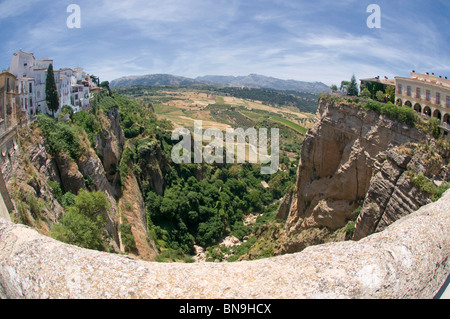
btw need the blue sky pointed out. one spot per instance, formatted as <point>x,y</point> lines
<point>325,40</point>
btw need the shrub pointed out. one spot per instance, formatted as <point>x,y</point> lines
<point>373,106</point>
<point>57,190</point>
<point>424,184</point>
<point>350,229</point>
<point>61,137</point>
<point>439,191</point>
<point>89,124</point>
<point>84,223</point>
<point>78,229</point>
<point>127,237</point>
<point>68,199</point>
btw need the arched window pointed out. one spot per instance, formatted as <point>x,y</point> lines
<point>437,114</point>
<point>418,108</point>
<point>447,118</point>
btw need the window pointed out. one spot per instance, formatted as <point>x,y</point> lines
<point>400,89</point>
<point>428,95</point>
<point>438,98</point>
<point>448,101</point>
<point>409,91</point>
<point>418,93</point>
<point>31,87</point>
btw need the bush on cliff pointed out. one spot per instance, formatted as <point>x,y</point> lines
<point>60,136</point>
<point>84,223</point>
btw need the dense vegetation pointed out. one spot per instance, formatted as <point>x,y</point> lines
<point>199,203</point>
<point>305,102</point>
<point>84,222</point>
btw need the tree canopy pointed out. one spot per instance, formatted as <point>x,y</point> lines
<point>353,87</point>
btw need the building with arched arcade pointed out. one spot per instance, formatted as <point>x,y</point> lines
<point>428,95</point>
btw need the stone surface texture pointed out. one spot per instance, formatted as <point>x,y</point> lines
<point>409,259</point>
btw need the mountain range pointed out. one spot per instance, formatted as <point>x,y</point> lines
<point>252,80</point>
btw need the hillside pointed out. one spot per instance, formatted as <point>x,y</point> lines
<point>221,108</point>
<point>261,81</point>
<point>153,80</point>
<point>253,80</point>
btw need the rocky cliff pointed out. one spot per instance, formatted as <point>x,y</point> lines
<point>357,158</point>
<point>36,173</point>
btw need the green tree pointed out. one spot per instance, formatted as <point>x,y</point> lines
<point>51,91</point>
<point>66,109</point>
<point>345,83</point>
<point>390,93</point>
<point>381,96</point>
<point>84,223</point>
<point>334,87</point>
<point>365,93</point>
<point>78,229</point>
<point>353,87</point>
<point>105,85</point>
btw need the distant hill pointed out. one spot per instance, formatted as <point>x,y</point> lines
<point>261,81</point>
<point>252,80</point>
<point>153,80</point>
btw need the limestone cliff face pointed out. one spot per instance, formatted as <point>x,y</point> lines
<point>392,194</point>
<point>133,212</point>
<point>93,171</point>
<point>110,143</point>
<point>31,171</point>
<point>338,163</point>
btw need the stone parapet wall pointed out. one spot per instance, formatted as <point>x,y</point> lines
<point>410,259</point>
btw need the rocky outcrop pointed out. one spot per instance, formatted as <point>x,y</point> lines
<point>110,143</point>
<point>71,178</point>
<point>133,211</point>
<point>337,163</point>
<point>392,193</point>
<point>91,167</point>
<point>152,164</point>
<point>32,169</point>
<point>410,259</point>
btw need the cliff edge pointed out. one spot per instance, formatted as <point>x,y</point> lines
<point>358,161</point>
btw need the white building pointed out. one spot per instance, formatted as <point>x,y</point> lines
<point>73,85</point>
<point>27,96</point>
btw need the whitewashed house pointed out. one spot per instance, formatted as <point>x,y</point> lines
<point>73,85</point>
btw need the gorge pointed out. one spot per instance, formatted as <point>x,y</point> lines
<point>353,160</point>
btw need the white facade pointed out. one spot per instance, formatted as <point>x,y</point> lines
<point>22,64</point>
<point>73,85</point>
<point>40,75</point>
<point>27,96</point>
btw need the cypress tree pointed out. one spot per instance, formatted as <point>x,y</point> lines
<point>353,87</point>
<point>51,91</point>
